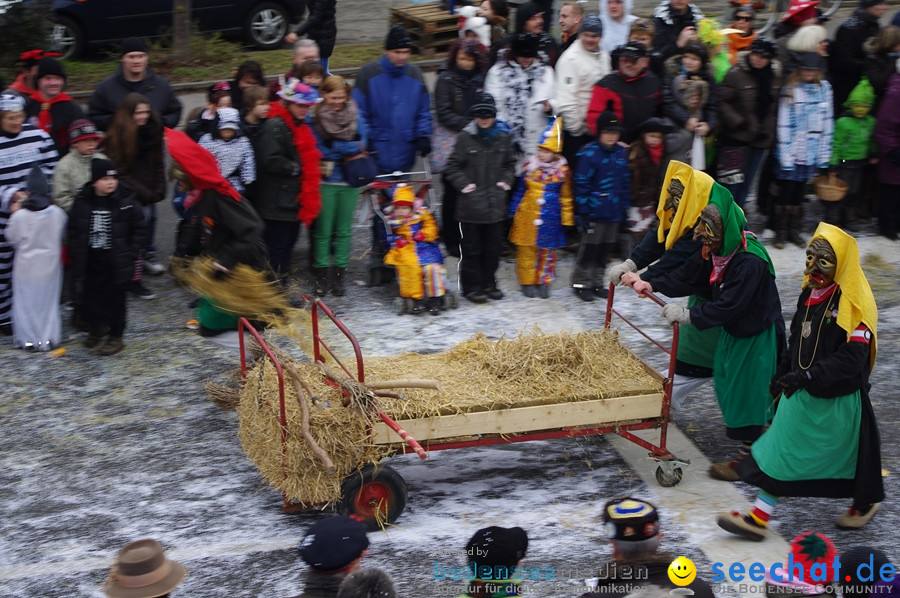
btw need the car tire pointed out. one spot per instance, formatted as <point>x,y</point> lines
<point>66,37</point>
<point>267,24</point>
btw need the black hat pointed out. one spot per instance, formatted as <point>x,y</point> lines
<point>525,45</point>
<point>608,120</point>
<point>592,24</point>
<point>133,44</point>
<point>333,543</point>
<point>654,124</point>
<point>496,547</point>
<point>524,13</point>
<point>632,50</point>
<point>809,60</point>
<point>49,66</point>
<point>397,39</point>
<point>764,46</point>
<point>697,49</point>
<point>870,3</point>
<point>484,106</point>
<point>630,519</point>
<point>82,129</point>
<point>101,168</point>
<point>38,190</point>
<point>851,559</point>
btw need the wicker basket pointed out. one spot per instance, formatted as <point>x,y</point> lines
<point>830,188</point>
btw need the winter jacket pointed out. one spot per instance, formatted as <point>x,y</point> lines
<point>805,125</point>
<point>128,230</point>
<point>542,206</point>
<point>674,85</point>
<point>287,187</point>
<point>519,94</point>
<point>668,25</point>
<point>646,177</point>
<point>455,93</point>
<point>887,134</point>
<point>602,184</point>
<point>576,73</point>
<point>634,100</point>
<point>847,54</point>
<point>853,139</point>
<point>70,174</point>
<point>396,108</point>
<point>335,150</point>
<point>739,123</point>
<point>483,163</point>
<point>235,158</point>
<point>147,177</point>
<point>111,92</point>
<point>230,231</point>
<point>321,25</point>
<point>405,250</point>
<point>62,114</point>
<point>879,68</point>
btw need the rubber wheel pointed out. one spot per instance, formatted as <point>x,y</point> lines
<point>668,480</point>
<point>399,306</point>
<point>66,37</point>
<point>377,494</point>
<point>267,24</point>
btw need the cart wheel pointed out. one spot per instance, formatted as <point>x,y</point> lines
<point>375,493</point>
<point>399,306</point>
<point>667,480</point>
<point>373,277</point>
<point>451,300</point>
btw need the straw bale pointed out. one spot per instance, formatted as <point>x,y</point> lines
<point>476,375</point>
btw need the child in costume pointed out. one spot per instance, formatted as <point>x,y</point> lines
<point>602,198</point>
<point>233,151</point>
<point>415,252</point>
<point>853,147</point>
<point>824,438</point>
<point>540,208</point>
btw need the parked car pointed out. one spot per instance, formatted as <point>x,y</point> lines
<point>78,24</point>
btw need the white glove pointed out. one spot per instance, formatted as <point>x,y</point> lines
<point>468,188</point>
<point>616,272</point>
<point>676,313</point>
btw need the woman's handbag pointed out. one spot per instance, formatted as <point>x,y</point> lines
<point>443,140</point>
<point>359,169</point>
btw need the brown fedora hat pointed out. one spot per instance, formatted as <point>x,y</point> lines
<point>143,571</point>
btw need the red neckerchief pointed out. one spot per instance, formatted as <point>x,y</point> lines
<point>817,296</point>
<point>720,264</point>
<point>45,121</point>
<point>655,151</point>
<point>22,87</point>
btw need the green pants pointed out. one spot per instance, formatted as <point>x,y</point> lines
<point>334,222</point>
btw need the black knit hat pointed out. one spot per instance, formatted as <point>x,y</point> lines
<point>851,560</point>
<point>764,46</point>
<point>608,120</point>
<point>630,519</point>
<point>397,39</point>
<point>133,44</point>
<point>101,168</point>
<point>333,543</point>
<point>496,547</point>
<point>592,24</point>
<point>524,13</point>
<point>49,66</point>
<point>484,107</point>
<point>38,190</point>
<point>525,45</point>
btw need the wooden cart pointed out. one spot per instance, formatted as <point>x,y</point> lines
<point>377,493</point>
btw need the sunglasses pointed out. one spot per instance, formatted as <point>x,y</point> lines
<point>743,18</point>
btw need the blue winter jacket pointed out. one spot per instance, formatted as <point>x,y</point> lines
<point>602,183</point>
<point>396,107</point>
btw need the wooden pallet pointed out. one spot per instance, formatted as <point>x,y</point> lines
<point>431,29</point>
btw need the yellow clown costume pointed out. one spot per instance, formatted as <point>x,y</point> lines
<point>541,205</point>
<point>415,252</point>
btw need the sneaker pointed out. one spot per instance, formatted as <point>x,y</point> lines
<point>584,294</point>
<point>853,519</point>
<point>153,267</point>
<point>140,291</point>
<point>111,346</point>
<point>529,290</point>
<point>494,293</point>
<point>476,297</point>
<point>741,525</point>
<point>724,471</point>
<point>544,291</point>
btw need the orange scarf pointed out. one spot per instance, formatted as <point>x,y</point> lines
<point>738,42</point>
<point>45,120</point>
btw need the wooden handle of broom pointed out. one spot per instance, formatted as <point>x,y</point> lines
<point>304,424</point>
<point>385,384</point>
<point>413,444</point>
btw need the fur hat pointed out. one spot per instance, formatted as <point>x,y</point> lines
<point>333,543</point>
<point>143,571</point>
<point>229,118</point>
<point>82,129</point>
<point>496,546</point>
<point>484,106</point>
<point>609,120</point>
<point>397,39</point>
<point>38,190</point>
<point>101,168</point>
<point>12,102</point>
<point>132,44</point>
<point>630,519</point>
<point>525,45</point>
<point>592,24</point>
<point>49,66</point>
<point>403,196</point>
<point>297,92</point>
<point>480,27</point>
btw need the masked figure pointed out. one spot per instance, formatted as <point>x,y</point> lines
<point>824,438</point>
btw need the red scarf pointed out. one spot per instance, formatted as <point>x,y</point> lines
<point>655,152</point>
<point>22,87</point>
<point>309,197</point>
<point>45,121</point>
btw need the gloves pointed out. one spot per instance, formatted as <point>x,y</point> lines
<point>423,146</point>
<point>676,313</point>
<point>616,272</point>
<point>790,383</point>
<point>503,185</point>
<point>468,188</point>
<point>418,236</point>
<point>400,243</point>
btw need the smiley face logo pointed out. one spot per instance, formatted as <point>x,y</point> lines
<point>682,571</point>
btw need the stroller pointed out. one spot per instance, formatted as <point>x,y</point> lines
<point>378,194</point>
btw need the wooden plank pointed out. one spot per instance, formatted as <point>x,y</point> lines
<point>525,419</point>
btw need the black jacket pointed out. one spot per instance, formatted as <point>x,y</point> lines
<point>129,231</point>
<point>738,119</point>
<point>473,161</point>
<point>278,173</point>
<point>321,25</point>
<point>228,230</point>
<point>110,93</point>
<point>847,55</point>
<point>668,25</point>
<point>454,94</point>
<point>62,114</point>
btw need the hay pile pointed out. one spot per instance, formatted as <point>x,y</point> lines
<point>476,375</point>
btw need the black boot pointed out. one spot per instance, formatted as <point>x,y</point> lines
<point>322,284</point>
<point>781,226</point>
<point>795,225</point>
<point>337,287</point>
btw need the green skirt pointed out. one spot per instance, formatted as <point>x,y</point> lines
<point>214,318</point>
<point>697,347</point>
<point>742,371</point>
